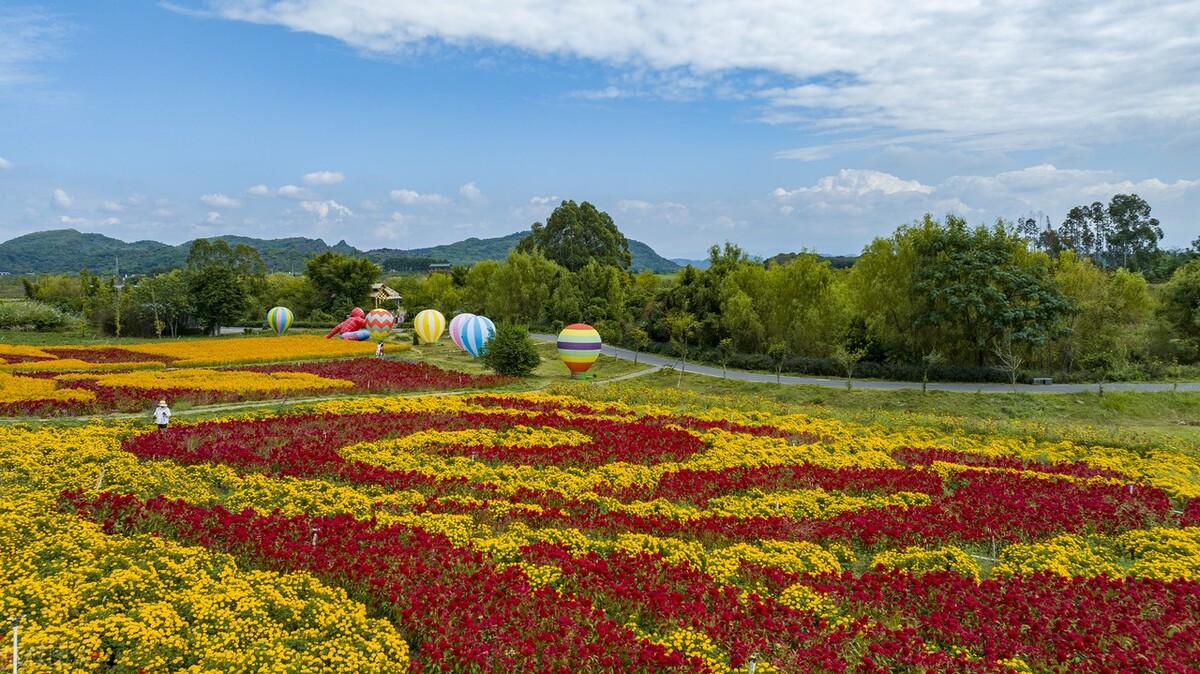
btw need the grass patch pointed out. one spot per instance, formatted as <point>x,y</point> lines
<point>446,355</point>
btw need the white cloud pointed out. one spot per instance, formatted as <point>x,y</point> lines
<point>220,200</point>
<point>323,209</point>
<point>111,207</point>
<point>394,230</point>
<point>5,164</point>
<point>162,213</point>
<point>259,191</point>
<point>472,193</point>
<point>28,38</point>
<point>665,211</point>
<point>411,198</point>
<point>841,213</point>
<point>856,182</point>
<point>68,220</point>
<point>974,74</point>
<point>538,208</point>
<point>291,191</point>
<point>606,93</point>
<point>212,217</point>
<point>323,178</point>
<point>62,199</point>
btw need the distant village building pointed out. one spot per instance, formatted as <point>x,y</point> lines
<point>439,266</point>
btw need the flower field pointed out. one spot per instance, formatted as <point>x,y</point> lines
<point>546,533</point>
<point>54,381</point>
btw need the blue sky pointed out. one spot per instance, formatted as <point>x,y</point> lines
<point>776,125</point>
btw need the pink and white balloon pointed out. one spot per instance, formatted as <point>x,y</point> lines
<point>455,329</point>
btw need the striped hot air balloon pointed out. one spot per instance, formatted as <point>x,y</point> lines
<point>429,325</point>
<point>475,333</point>
<point>455,329</point>
<point>280,319</point>
<point>379,323</point>
<point>579,347</point>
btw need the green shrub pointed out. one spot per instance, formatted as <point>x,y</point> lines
<point>36,316</point>
<point>510,352</point>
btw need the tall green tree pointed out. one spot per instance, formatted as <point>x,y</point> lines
<point>983,284</point>
<point>521,288</point>
<point>1179,308</point>
<point>880,294</point>
<point>100,301</point>
<point>575,234</point>
<point>603,289</point>
<point>217,296</point>
<point>343,282</point>
<point>160,304</point>
<point>1107,309</point>
<point>219,279</point>
<point>1121,234</point>
<point>1134,235</point>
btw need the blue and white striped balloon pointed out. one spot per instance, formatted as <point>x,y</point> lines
<point>476,331</point>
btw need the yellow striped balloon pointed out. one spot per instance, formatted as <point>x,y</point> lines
<point>429,325</point>
<point>579,347</point>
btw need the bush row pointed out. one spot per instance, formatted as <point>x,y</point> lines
<point>37,316</point>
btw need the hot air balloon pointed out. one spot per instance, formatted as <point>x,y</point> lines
<point>357,335</point>
<point>455,329</point>
<point>280,319</point>
<point>380,323</point>
<point>579,347</point>
<point>429,325</point>
<point>476,331</point>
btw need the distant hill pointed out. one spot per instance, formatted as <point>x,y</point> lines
<point>835,261</point>
<point>66,251</point>
<point>698,264</point>
<point>473,250</point>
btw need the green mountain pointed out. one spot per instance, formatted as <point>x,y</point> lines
<point>66,251</point>
<point>835,261</point>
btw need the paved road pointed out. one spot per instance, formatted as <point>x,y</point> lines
<point>741,375</point>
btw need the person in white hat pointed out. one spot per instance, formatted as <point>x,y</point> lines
<point>162,415</point>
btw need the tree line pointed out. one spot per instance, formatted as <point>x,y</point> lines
<point>1094,296</point>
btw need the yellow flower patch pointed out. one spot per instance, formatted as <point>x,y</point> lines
<point>215,380</point>
<point>244,350</point>
<point>153,605</point>
<point>1067,555</point>
<point>920,560</point>
<point>14,389</point>
<point>76,365</point>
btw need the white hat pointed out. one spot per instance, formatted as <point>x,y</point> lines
<point>162,403</point>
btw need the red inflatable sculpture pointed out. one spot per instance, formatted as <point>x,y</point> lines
<point>355,321</point>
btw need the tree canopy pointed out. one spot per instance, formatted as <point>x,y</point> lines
<point>219,280</point>
<point>576,234</point>
<point>343,282</point>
